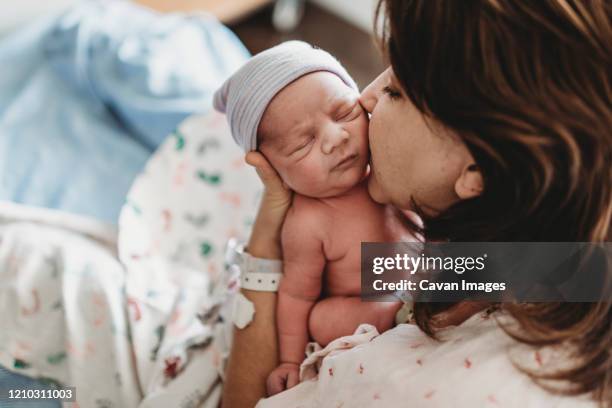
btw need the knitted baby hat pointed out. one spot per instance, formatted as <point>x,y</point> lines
<point>245,96</point>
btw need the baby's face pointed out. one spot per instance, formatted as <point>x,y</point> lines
<point>315,134</point>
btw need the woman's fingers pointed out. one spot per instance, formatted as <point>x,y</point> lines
<point>400,225</point>
<point>277,197</point>
<point>413,217</point>
<point>416,220</point>
<point>275,202</point>
<point>266,172</point>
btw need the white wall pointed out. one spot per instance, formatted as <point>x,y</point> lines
<point>357,12</point>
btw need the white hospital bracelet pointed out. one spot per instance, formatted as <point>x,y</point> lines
<point>255,273</point>
<point>260,281</point>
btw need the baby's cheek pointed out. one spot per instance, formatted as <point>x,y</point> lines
<point>359,131</point>
<point>363,126</point>
<point>306,177</point>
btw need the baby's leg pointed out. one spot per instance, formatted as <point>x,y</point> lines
<point>339,316</point>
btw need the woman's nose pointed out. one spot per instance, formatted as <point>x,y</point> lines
<point>369,96</point>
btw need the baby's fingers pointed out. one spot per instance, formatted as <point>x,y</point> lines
<point>293,379</point>
<point>275,384</point>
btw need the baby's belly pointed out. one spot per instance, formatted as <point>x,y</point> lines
<point>343,273</point>
<point>342,278</point>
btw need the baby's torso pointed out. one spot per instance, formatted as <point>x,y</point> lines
<point>348,221</point>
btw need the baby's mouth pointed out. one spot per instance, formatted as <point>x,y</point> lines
<point>346,162</point>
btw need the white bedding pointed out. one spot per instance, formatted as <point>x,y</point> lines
<point>62,304</point>
<point>14,14</point>
<point>127,334</point>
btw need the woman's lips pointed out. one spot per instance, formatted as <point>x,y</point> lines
<point>346,162</point>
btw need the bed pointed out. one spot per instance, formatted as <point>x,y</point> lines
<point>88,92</point>
<point>14,15</point>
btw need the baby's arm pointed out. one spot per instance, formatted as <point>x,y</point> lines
<point>304,261</point>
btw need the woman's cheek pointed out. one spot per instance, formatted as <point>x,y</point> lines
<point>376,173</point>
<point>375,190</point>
<point>378,161</point>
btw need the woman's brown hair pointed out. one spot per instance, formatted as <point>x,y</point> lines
<point>527,85</point>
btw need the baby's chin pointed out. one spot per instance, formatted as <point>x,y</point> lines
<point>339,184</point>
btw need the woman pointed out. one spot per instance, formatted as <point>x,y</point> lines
<point>493,123</point>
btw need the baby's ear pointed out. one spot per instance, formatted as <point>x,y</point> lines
<point>470,183</point>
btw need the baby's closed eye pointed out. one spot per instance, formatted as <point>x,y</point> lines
<point>304,143</point>
<point>349,112</point>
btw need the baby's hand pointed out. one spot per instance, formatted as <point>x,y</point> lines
<point>283,377</point>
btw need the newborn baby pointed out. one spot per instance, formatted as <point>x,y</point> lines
<point>299,107</point>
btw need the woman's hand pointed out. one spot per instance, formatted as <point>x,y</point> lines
<point>254,352</point>
<point>277,196</point>
<point>397,222</point>
<point>276,200</point>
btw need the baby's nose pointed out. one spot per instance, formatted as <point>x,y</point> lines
<point>334,139</point>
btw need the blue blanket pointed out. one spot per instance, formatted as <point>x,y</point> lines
<point>86,96</point>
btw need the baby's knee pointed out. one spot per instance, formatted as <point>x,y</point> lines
<point>383,315</point>
<point>319,325</point>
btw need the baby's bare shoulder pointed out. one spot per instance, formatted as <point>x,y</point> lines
<point>307,214</point>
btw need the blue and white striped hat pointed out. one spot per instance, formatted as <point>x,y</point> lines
<point>245,96</point>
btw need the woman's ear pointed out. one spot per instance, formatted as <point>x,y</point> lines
<point>469,184</point>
